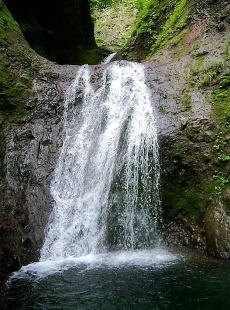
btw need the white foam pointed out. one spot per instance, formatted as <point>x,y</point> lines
<point>157,258</point>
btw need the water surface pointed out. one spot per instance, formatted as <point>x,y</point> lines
<point>153,279</point>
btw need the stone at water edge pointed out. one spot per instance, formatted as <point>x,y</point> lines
<point>217,228</point>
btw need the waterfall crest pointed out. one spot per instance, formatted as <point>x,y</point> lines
<point>106,182</point>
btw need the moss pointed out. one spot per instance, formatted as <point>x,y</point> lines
<point>214,80</point>
<point>176,22</point>
<point>152,15</point>
<point>183,196</point>
<point>90,56</point>
<point>221,109</point>
<point>220,27</point>
<point>183,50</point>
<point>196,69</point>
<point>179,38</point>
<point>161,23</point>
<point>221,102</point>
<point>221,176</point>
<point>211,73</point>
<point>186,101</point>
<point>13,93</point>
<point>185,189</point>
<point>13,89</point>
<point>216,77</point>
<point>7,23</point>
<point>113,22</point>
<point>226,51</point>
<point>46,142</point>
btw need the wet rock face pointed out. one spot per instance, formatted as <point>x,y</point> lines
<point>185,138</point>
<point>189,127</point>
<point>217,225</point>
<point>29,151</point>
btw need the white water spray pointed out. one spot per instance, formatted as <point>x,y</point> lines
<point>109,58</point>
<point>106,182</point>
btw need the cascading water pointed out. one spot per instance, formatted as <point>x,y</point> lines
<point>109,58</point>
<point>106,182</point>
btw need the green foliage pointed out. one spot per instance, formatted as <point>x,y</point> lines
<point>224,81</point>
<point>197,68</point>
<point>221,102</point>
<point>176,22</point>
<point>147,17</point>
<point>180,37</point>
<point>159,23</point>
<point>101,4</point>
<point>220,27</point>
<point>140,4</point>
<point>212,72</point>
<point>221,97</point>
<point>112,24</point>
<point>221,180</point>
<point>227,119</point>
<point>222,139</point>
<point>226,51</point>
<point>215,75</point>
<point>223,157</point>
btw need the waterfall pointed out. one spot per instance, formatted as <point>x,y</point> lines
<point>106,182</point>
<point>109,58</point>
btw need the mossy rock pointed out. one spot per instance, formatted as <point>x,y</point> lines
<point>14,91</point>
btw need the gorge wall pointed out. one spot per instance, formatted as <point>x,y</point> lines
<point>61,31</point>
<point>187,47</point>
<point>32,93</point>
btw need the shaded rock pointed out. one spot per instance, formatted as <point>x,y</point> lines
<point>61,31</point>
<point>217,230</point>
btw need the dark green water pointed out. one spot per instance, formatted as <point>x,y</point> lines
<point>189,283</point>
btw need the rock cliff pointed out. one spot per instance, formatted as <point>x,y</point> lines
<point>32,95</point>
<point>188,72</point>
<point>187,48</point>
